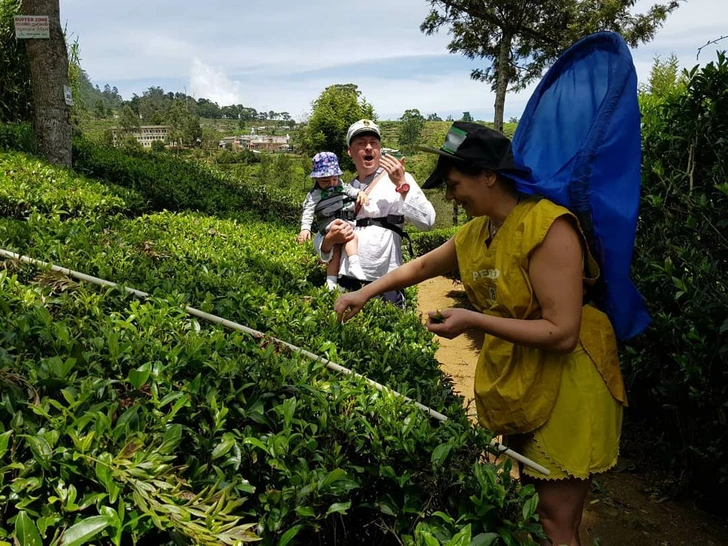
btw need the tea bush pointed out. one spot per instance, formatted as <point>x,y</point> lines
<point>125,421</point>
<point>17,136</point>
<point>676,371</point>
<point>169,183</point>
<point>30,185</point>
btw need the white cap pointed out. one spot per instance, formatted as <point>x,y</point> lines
<point>362,126</point>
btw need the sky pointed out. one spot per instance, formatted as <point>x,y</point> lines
<point>281,54</point>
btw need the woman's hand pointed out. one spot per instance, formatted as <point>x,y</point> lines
<point>349,304</point>
<point>449,323</point>
<point>362,198</point>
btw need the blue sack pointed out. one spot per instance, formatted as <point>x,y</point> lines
<point>580,134</point>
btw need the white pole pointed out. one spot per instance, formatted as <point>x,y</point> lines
<point>258,335</point>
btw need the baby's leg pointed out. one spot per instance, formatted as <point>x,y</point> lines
<point>352,247</point>
<point>352,251</point>
<point>332,268</point>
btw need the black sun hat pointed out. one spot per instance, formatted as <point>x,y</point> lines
<point>477,145</point>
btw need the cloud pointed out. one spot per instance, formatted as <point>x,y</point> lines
<point>213,84</point>
<point>281,55</point>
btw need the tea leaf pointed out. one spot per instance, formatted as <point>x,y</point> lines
<point>83,531</point>
<point>26,532</point>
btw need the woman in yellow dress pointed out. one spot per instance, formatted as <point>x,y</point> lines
<point>548,375</point>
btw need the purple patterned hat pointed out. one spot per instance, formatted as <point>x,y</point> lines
<point>325,164</point>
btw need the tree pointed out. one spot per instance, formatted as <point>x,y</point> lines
<point>184,126</point>
<point>337,107</point>
<point>153,105</point>
<point>433,117</point>
<point>48,59</point>
<point>665,77</point>
<point>466,117</point>
<point>411,128</point>
<point>129,120</point>
<point>208,109</point>
<point>99,109</point>
<point>158,146</point>
<point>521,37</point>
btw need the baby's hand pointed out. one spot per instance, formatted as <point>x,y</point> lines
<point>362,198</point>
<point>304,236</point>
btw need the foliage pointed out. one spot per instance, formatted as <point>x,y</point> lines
<point>676,370</point>
<point>227,157</point>
<point>74,77</point>
<point>184,125</point>
<point>172,184</point>
<point>425,241</point>
<point>332,113</point>
<point>128,119</point>
<point>665,78</point>
<point>411,128</point>
<point>16,94</point>
<point>17,136</point>
<point>129,422</point>
<point>29,186</point>
<point>520,38</point>
<point>154,104</point>
<point>158,146</point>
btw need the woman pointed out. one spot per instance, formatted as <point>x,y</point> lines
<point>548,376</point>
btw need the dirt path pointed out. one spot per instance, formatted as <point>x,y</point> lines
<point>620,511</point>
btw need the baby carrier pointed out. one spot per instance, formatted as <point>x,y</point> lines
<point>580,134</point>
<point>334,204</point>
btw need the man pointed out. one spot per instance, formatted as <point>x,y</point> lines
<point>394,197</point>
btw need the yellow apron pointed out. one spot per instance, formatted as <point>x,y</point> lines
<point>517,387</point>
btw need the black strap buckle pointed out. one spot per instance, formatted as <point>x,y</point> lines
<point>389,222</point>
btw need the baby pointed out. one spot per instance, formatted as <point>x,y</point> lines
<point>330,199</point>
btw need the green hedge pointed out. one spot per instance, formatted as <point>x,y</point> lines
<point>28,185</point>
<point>677,371</point>
<point>169,183</point>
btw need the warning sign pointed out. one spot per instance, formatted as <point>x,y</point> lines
<point>31,26</point>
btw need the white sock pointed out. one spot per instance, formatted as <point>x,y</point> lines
<point>355,268</point>
<point>331,282</point>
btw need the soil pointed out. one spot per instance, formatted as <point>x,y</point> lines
<point>623,507</point>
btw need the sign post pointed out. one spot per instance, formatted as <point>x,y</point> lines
<point>31,27</point>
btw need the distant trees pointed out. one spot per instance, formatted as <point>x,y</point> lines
<point>466,117</point>
<point>337,107</point>
<point>411,129</point>
<point>184,125</point>
<point>433,117</point>
<point>128,119</point>
<point>519,38</point>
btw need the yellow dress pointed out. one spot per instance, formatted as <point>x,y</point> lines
<point>561,410</point>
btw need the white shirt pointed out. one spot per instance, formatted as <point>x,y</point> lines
<point>380,249</point>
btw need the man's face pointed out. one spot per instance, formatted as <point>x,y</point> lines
<point>365,151</point>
